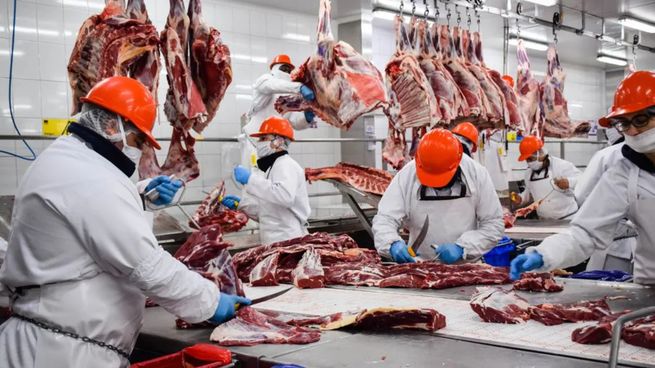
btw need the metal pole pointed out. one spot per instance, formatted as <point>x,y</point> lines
<point>616,332</point>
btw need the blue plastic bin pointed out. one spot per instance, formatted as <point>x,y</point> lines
<point>499,255</point>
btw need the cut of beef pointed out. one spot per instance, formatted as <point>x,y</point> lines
<point>640,332</point>
<point>309,274</point>
<point>265,273</point>
<point>500,306</point>
<point>390,319</point>
<point>429,275</point>
<point>555,314</point>
<point>346,84</point>
<point>543,282</point>
<point>599,333</point>
<point>395,149</point>
<point>366,179</point>
<point>212,212</point>
<point>354,274</point>
<point>251,327</point>
<point>528,91</point>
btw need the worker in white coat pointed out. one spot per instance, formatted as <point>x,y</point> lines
<point>467,134</point>
<point>456,196</point>
<point>82,257</point>
<point>618,256</point>
<point>627,190</point>
<point>276,195</point>
<point>548,179</point>
<point>265,91</point>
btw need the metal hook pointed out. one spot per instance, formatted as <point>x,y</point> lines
<point>459,15</point>
<point>436,11</point>
<point>557,18</point>
<point>635,41</point>
<point>448,14</point>
<point>477,17</point>
<point>402,6</point>
<point>413,7</point>
<point>427,11</point>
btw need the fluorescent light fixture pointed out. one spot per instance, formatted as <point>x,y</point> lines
<point>384,14</point>
<point>296,37</point>
<point>259,59</point>
<point>240,96</point>
<point>575,105</point>
<point>68,33</point>
<point>543,2</point>
<point>8,52</point>
<point>619,54</point>
<point>243,87</point>
<point>254,59</point>
<point>83,4</point>
<point>41,32</point>
<point>18,107</point>
<point>637,24</point>
<point>530,44</point>
<point>611,60</point>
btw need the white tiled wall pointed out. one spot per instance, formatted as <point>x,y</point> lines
<point>45,34</point>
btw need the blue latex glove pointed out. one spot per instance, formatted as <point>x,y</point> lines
<point>525,262</point>
<point>226,310</point>
<point>241,174</point>
<point>307,93</point>
<point>309,116</point>
<point>449,253</point>
<point>231,201</point>
<point>399,252</point>
<point>165,187</point>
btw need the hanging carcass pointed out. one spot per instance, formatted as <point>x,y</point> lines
<point>528,91</point>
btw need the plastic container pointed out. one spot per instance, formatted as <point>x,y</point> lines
<point>196,356</point>
<point>499,256</point>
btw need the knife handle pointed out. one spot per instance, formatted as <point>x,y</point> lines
<point>236,306</point>
<point>411,251</point>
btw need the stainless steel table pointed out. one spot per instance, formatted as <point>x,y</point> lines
<point>529,229</point>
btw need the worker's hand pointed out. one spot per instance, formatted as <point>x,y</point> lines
<point>166,189</point>
<point>309,116</point>
<point>399,252</point>
<point>525,262</point>
<point>562,183</point>
<point>449,253</point>
<point>227,307</point>
<point>307,93</point>
<point>515,198</point>
<point>241,174</point>
<point>231,201</point>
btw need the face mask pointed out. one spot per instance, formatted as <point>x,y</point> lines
<point>264,149</point>
<point>535,165</point>
<point>132,153</point>
<point>642,143</point>
<point>277,73</point>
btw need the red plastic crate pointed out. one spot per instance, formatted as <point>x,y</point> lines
<point>196,356</point>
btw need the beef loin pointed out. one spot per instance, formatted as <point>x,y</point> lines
<point>541,282</point>
<point>389,319</point>
<point>555,314</point>
<point>500,306</point>
<point>366,179</point>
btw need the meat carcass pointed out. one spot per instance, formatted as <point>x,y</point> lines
<point>528,92</point>
<point>209,62</point>
<point>540,282</point>
<point>146,68</point>
<point>346,84</point>
<point>110,44</point>
<point>395,149</point>
<point>211,212</point>
<point>389,319</point>
<point>251,327</point>
<point>555,314</point>
<point>640,332</point>
<point>309,274</point>
<point>366,179</point>
<point>500,306</point>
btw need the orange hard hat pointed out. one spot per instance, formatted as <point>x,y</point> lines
<point>509,80</point>
<point>281,59</point>
<point>529,146</point>
<point>275,125</point>
<point>128,98</point>
<point>468,131</point>
<point>635,93</point>
<point>437,158</point>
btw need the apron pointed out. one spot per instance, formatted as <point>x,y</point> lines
<point>558,205</point>
<point>642,212</point>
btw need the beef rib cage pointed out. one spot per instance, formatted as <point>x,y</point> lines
<point>366,179</point>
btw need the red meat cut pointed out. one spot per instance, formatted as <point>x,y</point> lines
<point>500,306</point>
<point>265,273</point>
<point>309,274</point>
<point>541,282</point>
<point>389,319</point>
<point>640,332</point>
<point>599,333</point>
<point>212,212</point>
<point>366,179</point>
<point>555,314</point>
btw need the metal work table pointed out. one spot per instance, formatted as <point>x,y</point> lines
<point>529,229</point>
<point>354,197</point>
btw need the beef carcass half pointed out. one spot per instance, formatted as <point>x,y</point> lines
<point>366,179</point>
<point>500,306</point>
<point>540,282</point>
<point>389,319</point>
<point>309,274</point>
<point>212,212</point>
<point>555,314</point>
<point>528,91</point>
<point>345,83</point>
<point>110,44</point>
<point>251,327</point>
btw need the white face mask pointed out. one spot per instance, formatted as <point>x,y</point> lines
<point>642,143</point>
<point>132,153</point>
<point>264,149</point>
<point>277,73</point>
<point>535,165</point>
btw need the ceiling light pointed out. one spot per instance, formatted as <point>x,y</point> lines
<point>611,60</point>
<point>543,2</point>
<point>530,44</point>
<point>384,14</point>
<point>637,24</point>
<point>296,37</point>
<point>8,52</point>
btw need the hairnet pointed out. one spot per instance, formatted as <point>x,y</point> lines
<point>281,142</point>
<point>104,122</point>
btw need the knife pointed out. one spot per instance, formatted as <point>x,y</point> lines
<point>265,298</point>
<point>413,249</point>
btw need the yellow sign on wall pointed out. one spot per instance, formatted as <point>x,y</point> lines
<point>55,127</point>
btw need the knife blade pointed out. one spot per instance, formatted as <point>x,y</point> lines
<point>265,298</point>
<point>413,249</point>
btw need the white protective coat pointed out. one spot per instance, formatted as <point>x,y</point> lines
<point>493,157</point>
<point>623,248</point>
<point>79,231</point>
<point>560,203</point>
<point>625,191</point>
<point>265,91</point>
<point>278,200</point>
<point>474,222</point>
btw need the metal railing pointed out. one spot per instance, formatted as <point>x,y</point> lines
<point>14,137</point>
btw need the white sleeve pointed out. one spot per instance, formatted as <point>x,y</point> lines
<point>297,120</point>
<point>489,215</point>
<point>593,227</point>
<point>571,173</point>
<point>525,194</point>
<point>249,206</point>
<point>392,211</point>
<point>120,240</point>
<point>588,179</point>
<point>270,85</point>
<point>279,191</point>
<point>141,185</point>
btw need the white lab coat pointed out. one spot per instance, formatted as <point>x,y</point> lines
<point>622,248</point>
<point>79,231</point>
<point>265,91</point>
<point>278,200</point>
<point>492,156</point>
<point>475,222</point>
<point>625,191</point>
<point>560,203</point>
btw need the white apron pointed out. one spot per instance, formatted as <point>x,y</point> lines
<point>560,204</point>
<point>642,213</point>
